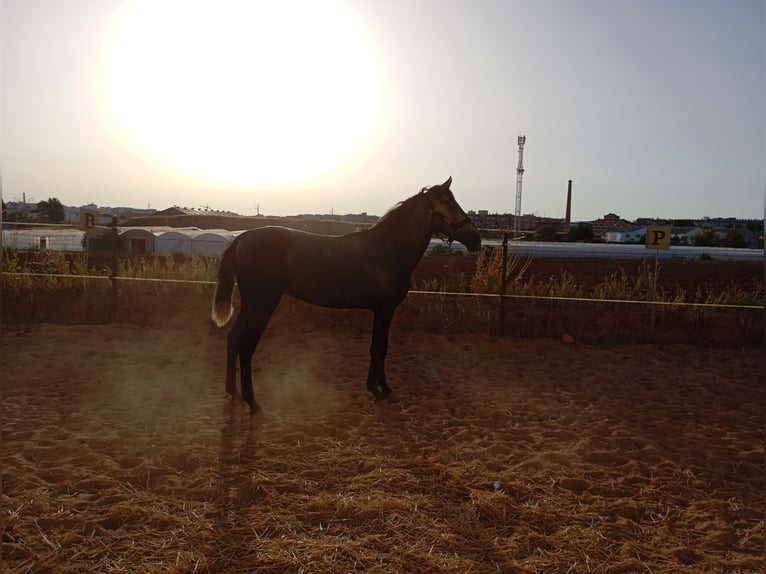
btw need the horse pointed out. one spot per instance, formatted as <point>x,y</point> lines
<point>367,269</point>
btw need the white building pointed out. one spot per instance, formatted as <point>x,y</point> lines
<point>625,235</point>
<point>193,241</point>
<point>41,238</point>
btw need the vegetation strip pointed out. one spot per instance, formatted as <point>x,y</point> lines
<point>413,292</point>
<point>62,275</point>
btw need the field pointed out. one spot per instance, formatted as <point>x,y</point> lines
<point>121,453</point>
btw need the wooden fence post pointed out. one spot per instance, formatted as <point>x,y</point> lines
<point>501,322</point>
<point>113,278</point>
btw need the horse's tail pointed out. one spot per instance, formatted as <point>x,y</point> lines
<point>223,308</point>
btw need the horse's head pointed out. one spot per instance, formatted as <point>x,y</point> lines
<point>448,218</point>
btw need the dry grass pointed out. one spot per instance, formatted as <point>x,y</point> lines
<point>183,282</point>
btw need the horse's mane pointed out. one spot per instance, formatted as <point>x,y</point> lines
<point>405,206</point>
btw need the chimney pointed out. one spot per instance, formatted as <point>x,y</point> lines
<point>568,221</point>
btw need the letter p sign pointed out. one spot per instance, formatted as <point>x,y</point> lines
<point>658,237</point>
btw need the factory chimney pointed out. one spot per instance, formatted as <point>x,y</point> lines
<point>568,222</point>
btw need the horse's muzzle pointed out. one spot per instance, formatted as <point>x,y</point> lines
<point>469,236</point>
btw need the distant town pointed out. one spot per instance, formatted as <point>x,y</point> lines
<point>610,228</point>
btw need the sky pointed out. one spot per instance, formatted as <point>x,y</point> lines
<point>654,108</point>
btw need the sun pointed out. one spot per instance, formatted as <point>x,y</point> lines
<point>244,92</point>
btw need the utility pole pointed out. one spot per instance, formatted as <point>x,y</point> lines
<point>519,176</point>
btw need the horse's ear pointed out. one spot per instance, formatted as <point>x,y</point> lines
<point>447,183</point>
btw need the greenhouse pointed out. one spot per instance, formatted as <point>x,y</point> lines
<point>193,242</point>
<point>66,239</point>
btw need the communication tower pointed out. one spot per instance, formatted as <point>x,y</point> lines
<point>519,176</point>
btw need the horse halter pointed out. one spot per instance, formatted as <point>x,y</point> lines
<point>452,227</point>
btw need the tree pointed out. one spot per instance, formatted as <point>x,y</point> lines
<point>51,208</point>
<point>581,232</point>
<point>545,233</point>
<point>733,238</point>
<point>706,238</point>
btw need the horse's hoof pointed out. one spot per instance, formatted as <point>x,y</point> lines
<point>380,395</point>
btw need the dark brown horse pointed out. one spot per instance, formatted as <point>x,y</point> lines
<point>368,269</point>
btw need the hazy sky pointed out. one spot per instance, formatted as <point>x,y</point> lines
<point>651,107</point>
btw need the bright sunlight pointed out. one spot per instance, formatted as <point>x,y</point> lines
<point>244,92</point>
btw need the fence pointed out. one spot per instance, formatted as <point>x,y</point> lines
<point>493,306</point>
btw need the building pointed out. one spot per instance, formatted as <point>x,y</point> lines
<point>175,210</point>
<point>627,235</point>
<point>610,222</point>
<point>45,238</point>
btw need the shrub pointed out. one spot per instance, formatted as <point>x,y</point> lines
<point>489,270</point>
<point>444,249</point>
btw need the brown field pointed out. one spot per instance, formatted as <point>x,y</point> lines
<point>121,453</point>
<point>686,274</point>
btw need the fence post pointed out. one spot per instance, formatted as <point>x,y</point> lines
<point>113,278</point>
<point>86,247</point>
<point>503,279</point>
<point>2,266</point>
<point>653,317</point>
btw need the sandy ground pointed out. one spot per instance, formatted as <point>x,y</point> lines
<point>120,453</point>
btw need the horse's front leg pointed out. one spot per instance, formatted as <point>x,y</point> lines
<point>376,376</point>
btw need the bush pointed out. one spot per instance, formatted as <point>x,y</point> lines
<point>444,249</point>
<point>489,270</point>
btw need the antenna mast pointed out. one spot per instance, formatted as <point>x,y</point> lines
<point>519,175</point>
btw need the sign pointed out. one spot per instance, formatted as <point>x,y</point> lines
<point>658,237</point>
<point>88,217</point>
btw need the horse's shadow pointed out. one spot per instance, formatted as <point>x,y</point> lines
<point>238,437</point>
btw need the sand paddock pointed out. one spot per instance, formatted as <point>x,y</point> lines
<point>120,453</point>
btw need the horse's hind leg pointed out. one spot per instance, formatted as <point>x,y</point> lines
<point>376,376</point>
<point>232,350</point>
<point>255,321</point>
